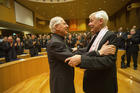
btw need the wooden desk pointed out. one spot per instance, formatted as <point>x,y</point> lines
<point>43,53</point>
<point>43,49</point>
<point>119,54</point>
<point>78,80</point>
<point>14,72</point>
<point>26,51</point>
<point>23,56</point>
<point>2,59</point>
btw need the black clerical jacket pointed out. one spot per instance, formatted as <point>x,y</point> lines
<point>61,74</point>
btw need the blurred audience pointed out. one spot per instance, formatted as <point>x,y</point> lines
<point>12,46</point>
<point>132,47</point>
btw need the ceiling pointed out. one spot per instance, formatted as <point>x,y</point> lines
<point>17,27</point>
<point>77,9</point>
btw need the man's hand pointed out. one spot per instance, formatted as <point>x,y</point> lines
<point>107,49</point>
<point>74,49</point>
<point>34,42</point>
<point>129,36</point>
<point>11,44</point>
<point>74,60</point>
<point>15,44</point>
<point>21,43</point>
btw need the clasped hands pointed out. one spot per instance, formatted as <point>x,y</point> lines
<point>105,50</point>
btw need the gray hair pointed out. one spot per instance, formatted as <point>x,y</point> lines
<point>54,21</point>
<point>99,15</point>
<point>133,29</point>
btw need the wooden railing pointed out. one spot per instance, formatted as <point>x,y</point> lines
<point>120,53</point>
<point>23,56</point>
<point>14,72</point>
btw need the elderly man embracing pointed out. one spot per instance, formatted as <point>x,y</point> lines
<point>100,75</point>
<point>61,73</point>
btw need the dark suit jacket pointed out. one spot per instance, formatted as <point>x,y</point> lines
<point>61,74</point>
<point>121,40</point>
<point>1,50</point>
<point>19,49</point>
<point>100,76</point>
<point>132,44</point>
<point>10,51</point>
<point>33,48</point>
<point>138,34</point>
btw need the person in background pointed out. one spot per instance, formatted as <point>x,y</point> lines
<point>121,38</point>
<point>132,48</point>
<point>1,47</point>
<point>39,44</point>
<point>70,41</point>
<point>20,47</point>
<point>10,49</point>
<point>100,75</point>
<point>44,41</point>
<point>137,31</point>
<point>33,46</point>
<point>48,38</point>
<point>79,43</point>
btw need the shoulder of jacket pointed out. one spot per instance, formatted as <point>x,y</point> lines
<point>110,32</point>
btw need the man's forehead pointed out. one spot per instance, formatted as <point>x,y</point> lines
<point>9,38</point>
<point>92,18</point>
<point>132,30</point>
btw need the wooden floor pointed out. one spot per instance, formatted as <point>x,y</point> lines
<point>36,80</point>
<point>37,84</point>
<point>127,85</point>
<point>131,73</point>
<point>40,83</point>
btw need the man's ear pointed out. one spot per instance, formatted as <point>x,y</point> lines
<point>101,21</point>
<point>57,27</point>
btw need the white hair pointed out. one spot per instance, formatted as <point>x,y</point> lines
<point>54,21</point>
<point>99,15</point>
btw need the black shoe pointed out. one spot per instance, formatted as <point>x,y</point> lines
<point>135,68</point>
<point>128,66</point>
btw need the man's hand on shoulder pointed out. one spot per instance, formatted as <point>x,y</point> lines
<point>107,49</point>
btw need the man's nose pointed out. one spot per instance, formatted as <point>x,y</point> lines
<point>89,24</point>
<point>67,26</point>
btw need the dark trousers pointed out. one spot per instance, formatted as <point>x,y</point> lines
<point>134,56</point>
<point>123,65</point>
<point>34,54</point>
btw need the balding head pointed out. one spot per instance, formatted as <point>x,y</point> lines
<point>10,39</point>
<point>18,39</point>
